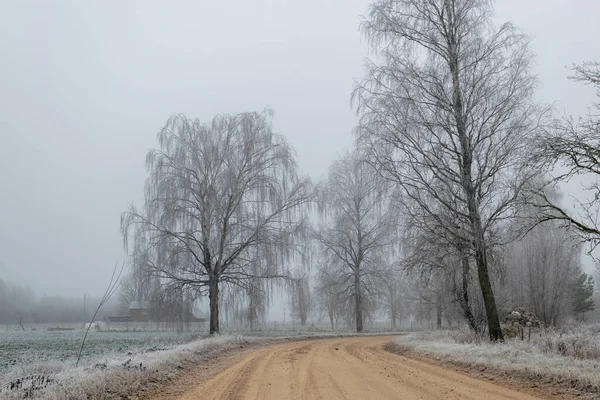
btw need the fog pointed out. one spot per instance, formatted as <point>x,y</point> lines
<point>86,86</point>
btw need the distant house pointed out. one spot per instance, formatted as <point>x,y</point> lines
<point>119,318</point>
<point>139,311</point>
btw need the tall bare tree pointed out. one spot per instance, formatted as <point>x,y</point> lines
<point>571,148</point>
<point>357,229</point>
<point>446,113</point>
<point>216,194</point>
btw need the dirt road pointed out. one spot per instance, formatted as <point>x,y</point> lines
<point>344,368</point>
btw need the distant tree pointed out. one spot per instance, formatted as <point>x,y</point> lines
<point>217,193</point>
<point>430,250</point>
<point>256,293</point>
<point>300,298</point>
<point>537,267</point>
<point>356,230</point>
<point>329,297</point>
<point>137,284</point>
<point>583,293</point>
<point>392,296</point>
<point>447,115</point>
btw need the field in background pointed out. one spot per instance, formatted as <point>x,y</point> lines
<point>38,345</point>
<point>41,346</point>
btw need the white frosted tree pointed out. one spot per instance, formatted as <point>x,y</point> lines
<point>446,113</point>
<point>219,196</point>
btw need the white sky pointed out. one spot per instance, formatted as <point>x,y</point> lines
<point>86,85</point>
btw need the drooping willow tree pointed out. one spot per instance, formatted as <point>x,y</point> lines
<point>223,204</point>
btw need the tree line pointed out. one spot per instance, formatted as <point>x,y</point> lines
<point>19,304</point>
<point>448,200</point>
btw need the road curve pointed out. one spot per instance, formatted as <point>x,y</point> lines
<point>341,368</point>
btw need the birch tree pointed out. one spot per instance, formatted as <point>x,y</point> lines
<point>446,113</point>
<point>217,194</point>
<point>357,228</point>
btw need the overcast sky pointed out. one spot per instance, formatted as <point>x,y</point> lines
<point>86,85</point>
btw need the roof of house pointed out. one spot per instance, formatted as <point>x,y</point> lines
<point>138,305</point>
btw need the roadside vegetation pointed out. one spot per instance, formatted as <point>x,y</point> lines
<point>567,360</point>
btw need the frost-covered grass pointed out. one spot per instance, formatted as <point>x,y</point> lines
<point>113,375</point>
<point>123,368</point>
<point>31,347</point>
<point>569,358</point>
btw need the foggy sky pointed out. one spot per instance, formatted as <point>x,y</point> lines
<point>86,85</point>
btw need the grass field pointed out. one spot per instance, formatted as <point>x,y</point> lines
<point>20,349</point>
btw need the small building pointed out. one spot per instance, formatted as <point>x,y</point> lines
<point>119,318</point>
<point>142,312</point>
<point>139,311</point>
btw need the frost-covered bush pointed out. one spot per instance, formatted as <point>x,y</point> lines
<point>581,342</point>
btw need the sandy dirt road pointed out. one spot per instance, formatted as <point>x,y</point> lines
<point>342,368</point>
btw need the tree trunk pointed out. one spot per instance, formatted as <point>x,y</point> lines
<point>488,295</point>
<point>463,296</point>
<point>393,307</point>
<point>471,195</point>
<point>438,311</point>
<point>213,294</point>
<point>359,304</point>
<point>331,320</point>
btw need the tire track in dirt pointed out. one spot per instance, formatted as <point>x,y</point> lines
<point>342,368</point>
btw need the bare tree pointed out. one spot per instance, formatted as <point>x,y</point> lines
<point>429,252</point>
<point>357,229</point>
<point>447,114</point>
<point>258,300</point>
<point>572,149</point>
<point>540,267</point>
<point>329,300</point>
<point>217,194</point>
<point>138,283</point>
<point>299,297</point>
<point>247,307</point>
<point>392,296</point>
<point>541,263</point>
